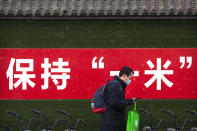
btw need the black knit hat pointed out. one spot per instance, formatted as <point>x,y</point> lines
<point>125,70</point>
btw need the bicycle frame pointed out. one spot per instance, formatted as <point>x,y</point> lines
<point>46,127</point>
<point>22,128</point>
<point>71,128</point>
<point>151,127</point>
<point>177,128</point>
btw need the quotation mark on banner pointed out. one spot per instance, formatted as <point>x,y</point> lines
<point>99,65</point>
<point>188,60</point>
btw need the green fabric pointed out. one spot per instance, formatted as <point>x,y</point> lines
<point>98,33</point>
<point>133,120</point>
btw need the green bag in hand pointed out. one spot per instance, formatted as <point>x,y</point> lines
<point>133,120</point>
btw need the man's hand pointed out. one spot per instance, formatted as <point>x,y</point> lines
<point>131,101</point>
<point>134,100</point>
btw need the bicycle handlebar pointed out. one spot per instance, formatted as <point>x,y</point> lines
<point>169,112</point>
<point>14,114</point>
<point>193,112</point>
<point>65,113</point>
<point>144,110</point>
<point>39,113</point>
<point>43,116</point>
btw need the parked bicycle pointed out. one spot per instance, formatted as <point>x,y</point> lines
<point>193,113</point>
<point>47,127</point>
<point>176,127</point>
<point>150,126</point>
<point>69,117</point>
<point>22,128</point>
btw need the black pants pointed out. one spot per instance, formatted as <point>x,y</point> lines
<point>112,128</point>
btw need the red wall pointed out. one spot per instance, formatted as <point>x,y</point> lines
<point>84,80</point>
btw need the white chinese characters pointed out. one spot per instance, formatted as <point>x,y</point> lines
<point>56,73</point>
<point>24,68</point>
<point>158,74</point>
<point>24,77</point>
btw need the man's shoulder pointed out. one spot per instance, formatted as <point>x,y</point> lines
<point>114,84</point>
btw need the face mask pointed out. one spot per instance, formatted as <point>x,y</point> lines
<point>128,82</point>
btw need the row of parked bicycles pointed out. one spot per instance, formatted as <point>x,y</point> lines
<point>177,126</point>
<point>66,121</point>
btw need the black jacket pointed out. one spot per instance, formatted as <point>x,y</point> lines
<point>114,96</point>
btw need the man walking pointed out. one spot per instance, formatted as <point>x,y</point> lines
<point>113,119</point>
